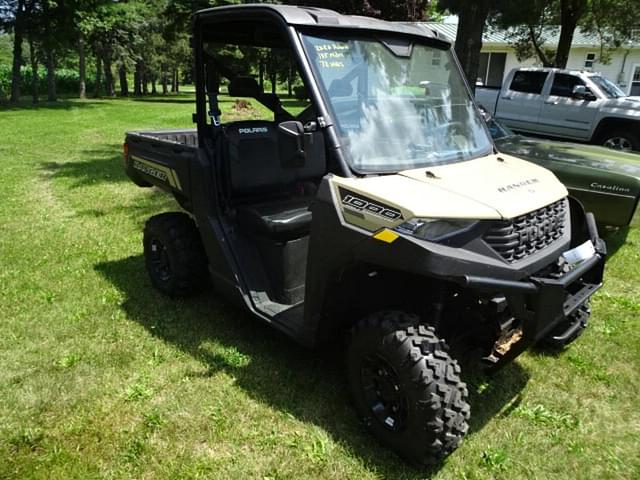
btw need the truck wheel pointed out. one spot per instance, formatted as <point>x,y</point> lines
<point>620,140</point>
<point>406,387</point>
<point>174,255</point>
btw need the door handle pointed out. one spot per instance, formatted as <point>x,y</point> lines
<point>506,97</point>
<point>551,102</point>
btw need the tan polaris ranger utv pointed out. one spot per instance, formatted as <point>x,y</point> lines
<point>381,212</point>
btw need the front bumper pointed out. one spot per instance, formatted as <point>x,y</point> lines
<point>544,304</point>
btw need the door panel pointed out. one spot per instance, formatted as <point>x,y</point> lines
<point>519,106</point>
<point>564,116</point>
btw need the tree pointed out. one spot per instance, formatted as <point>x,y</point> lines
<point>472,18</point>
<point>84,20</point>
<point>531,24</point>
<point>12,18</point>
<point>116,32</point>
<point>528,28</point>
<point>393,10</point>
<point>604,18</point>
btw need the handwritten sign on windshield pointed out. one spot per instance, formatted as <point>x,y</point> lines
<point>332,55</point>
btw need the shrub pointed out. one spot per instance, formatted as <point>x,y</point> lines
<point>67,81</point>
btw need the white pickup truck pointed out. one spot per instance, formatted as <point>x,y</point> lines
<point>565,104</point>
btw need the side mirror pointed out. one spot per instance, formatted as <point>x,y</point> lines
<point>581,92</point>
<point>486,116</point>
<point>291,144</point>
<point>340,88</point>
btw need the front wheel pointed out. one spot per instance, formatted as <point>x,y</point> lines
<point>406,387</point>
<point>620,139</point>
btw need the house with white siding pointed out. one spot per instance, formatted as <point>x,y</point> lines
<point>497,57</point>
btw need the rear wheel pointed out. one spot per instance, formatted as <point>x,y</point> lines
<point>406,387</point>
<point>174,255</point>
<point>620,139</point>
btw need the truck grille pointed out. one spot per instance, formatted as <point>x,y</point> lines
<point>519,237</point>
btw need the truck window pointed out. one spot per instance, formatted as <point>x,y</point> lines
<point>528,81</point>
<point>563,84</point>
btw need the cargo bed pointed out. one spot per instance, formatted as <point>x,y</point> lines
<point>163,159</point>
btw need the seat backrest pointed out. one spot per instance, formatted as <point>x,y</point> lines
<point>253,158</point>
<point>254,163</point>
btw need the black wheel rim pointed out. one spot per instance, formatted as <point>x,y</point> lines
<point>383,392</point>
<point>619,143</point>
<point>159,258</point>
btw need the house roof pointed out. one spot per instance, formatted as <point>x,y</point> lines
<point>495,37</point>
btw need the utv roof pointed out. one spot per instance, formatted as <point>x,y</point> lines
<point>319,17</point>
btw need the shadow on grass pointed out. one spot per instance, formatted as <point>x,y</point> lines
<point>58,105</point>
<point>182,99</point>
<point>98,165</point>
<point>614,238</point>
<point>308,385</point>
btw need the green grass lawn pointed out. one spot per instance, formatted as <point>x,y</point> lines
<point>102,377</point>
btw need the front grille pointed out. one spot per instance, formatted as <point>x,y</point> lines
<point>522,236</point>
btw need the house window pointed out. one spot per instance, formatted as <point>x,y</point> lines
<point>435,59</point>
<point>635,81</point>
<point>590,60</point>
<point>491,69</point>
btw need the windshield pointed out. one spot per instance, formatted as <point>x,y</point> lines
<point>397,106</point>
<point>607,87</point>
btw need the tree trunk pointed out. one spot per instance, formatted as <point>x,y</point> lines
<point>261,73</point>
<point>98,76</point>
<point>175,87</point>
<point>33,57</point>
<point>163,79</point>
<point>108,75</point>
<point>145,82</point>
<point>17,54</point>
<point>542,56</point>
<point>570,13</point>
<point>471,21</point>
<point>51,75</point>
<point>137,79</point>
<point>124,84</point>
<point>154,90</point>
<point>50,60</point>
<point>82,67</point>
<point>177,81</point>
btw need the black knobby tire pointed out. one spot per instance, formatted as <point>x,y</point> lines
<point>174,255</point>
<point>620,139</point>
<point>414,402</point>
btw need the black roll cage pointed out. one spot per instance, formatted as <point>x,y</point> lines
<point>205,132</point>
<point>272,14</point>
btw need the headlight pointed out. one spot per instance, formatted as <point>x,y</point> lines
<point>434,230</point>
